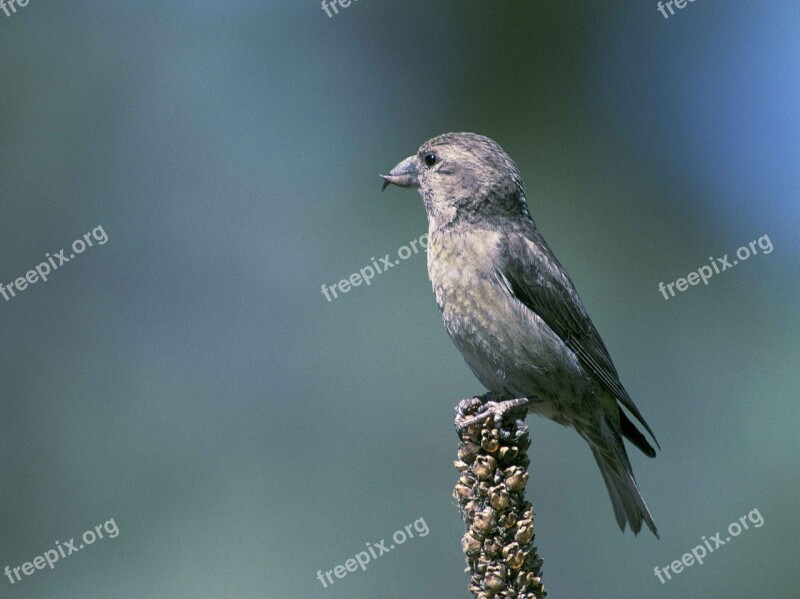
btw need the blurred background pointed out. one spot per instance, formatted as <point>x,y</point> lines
<point>190,380</point>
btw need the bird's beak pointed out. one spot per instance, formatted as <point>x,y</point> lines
<point>404,174</point>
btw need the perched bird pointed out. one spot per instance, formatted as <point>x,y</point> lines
<point>512,310</point>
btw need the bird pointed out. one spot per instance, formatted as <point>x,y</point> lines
<point>512,311</point>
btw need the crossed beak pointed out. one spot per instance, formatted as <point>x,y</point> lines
<point>404,174</point>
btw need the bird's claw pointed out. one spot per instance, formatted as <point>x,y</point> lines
<point>491,409</point>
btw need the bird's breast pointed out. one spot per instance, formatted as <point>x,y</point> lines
<point>510,349</point>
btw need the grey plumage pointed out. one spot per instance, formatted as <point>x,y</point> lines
<point>511,309</point>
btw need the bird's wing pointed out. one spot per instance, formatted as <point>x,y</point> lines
<point>536,278</point>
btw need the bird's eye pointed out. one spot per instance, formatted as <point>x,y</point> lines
<point>430,159</point>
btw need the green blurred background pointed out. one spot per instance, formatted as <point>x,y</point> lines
<point>190,380</point>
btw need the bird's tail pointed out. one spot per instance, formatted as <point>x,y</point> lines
<point>629,506</point>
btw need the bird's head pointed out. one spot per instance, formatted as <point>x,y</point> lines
<point>462,176</point>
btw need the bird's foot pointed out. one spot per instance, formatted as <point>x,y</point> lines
<point>491,409</point>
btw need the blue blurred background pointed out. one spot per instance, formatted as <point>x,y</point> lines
<point>189,379</point>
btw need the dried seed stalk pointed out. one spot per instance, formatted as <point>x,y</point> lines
<point>498,544</point>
